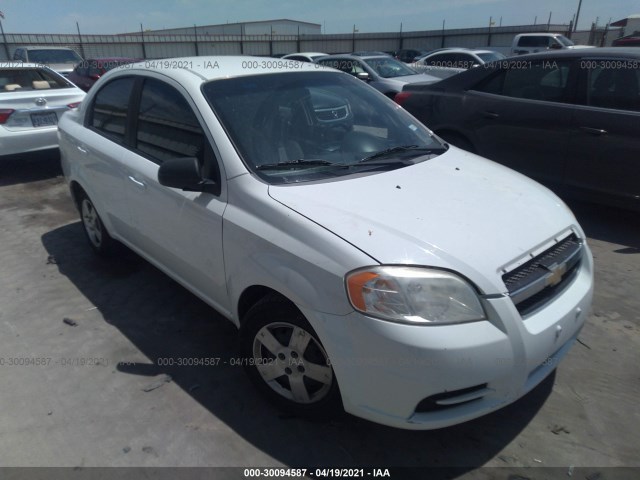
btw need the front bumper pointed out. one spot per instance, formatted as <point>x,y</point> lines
<point>385,370</point>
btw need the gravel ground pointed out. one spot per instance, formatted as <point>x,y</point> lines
<point>81,385</point>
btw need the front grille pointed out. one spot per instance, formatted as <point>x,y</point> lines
<point>542,278</point>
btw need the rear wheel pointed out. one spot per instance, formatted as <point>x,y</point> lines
<point>286,360</point>
<point>99,239</point>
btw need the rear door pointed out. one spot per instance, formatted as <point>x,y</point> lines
<point>520,117</point>
<point>101,149</point>
<point>605,149</point>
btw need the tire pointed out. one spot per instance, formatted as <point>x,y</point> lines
<point>97,235</point>
<point>286,361</point>
<point>457,141</point>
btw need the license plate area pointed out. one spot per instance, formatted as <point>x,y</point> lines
<point>47,119</point>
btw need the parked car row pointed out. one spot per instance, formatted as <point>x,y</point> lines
<point>570,119</point>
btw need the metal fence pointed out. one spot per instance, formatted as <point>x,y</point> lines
<point>165,46</point>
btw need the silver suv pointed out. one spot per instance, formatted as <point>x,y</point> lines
<point>61,59</point>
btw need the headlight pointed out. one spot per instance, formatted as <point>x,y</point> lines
<point>413,295</point>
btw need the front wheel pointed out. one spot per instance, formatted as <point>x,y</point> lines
<point>286,360</point>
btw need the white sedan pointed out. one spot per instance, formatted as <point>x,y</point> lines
<point>367,264</point>
<point>32,100</point>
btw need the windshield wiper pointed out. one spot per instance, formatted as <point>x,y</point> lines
<point>297,163</point>
<point>401,149</point>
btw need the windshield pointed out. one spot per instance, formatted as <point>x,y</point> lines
<point>54,56</point>
<point>487,57</point>
<point>565,41</point>
<point>388,67</point>
<point>308,126</point>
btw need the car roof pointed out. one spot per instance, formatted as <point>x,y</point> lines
<point>16,64</point>
<point>585,52</point>
<point>356,57</point>
<point>198,69</point>
<point>308,54</point>
<point>101,60</point>
<point>44,47</point>
<point>460,50</point>
<point>546,34</point>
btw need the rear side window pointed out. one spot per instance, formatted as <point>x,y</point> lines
<point>167,126</point>
<point>22,79</point>
<point>300,58</point>
<point>110,108</point>
<point>534,41</point>
<point>613,84</point>
<point>530,80</point>
<point>20,54</point>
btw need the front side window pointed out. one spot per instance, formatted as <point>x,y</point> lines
<point>109,111</point>
<point>167,126</point>
<point>542,80</point>
<point>82,70</point>
<point>314,126</point>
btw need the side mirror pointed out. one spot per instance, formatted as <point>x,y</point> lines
<point>555,46</point>
<point>184,173</point>
<point>364,76</point>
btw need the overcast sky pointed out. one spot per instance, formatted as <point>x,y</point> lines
<point>336,16</point>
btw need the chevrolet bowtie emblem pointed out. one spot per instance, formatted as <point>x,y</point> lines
<point>556,275</point>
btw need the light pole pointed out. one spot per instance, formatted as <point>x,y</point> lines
<point>575,25</point>
<point>4,38</point>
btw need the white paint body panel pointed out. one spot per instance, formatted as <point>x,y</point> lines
<point>456,211</point>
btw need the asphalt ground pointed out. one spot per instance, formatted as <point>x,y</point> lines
<point>83,380</point>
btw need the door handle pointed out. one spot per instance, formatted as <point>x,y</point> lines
<point>137,182</point>
<point>593,131</point>
<point>488,114</point>
<point>82,150</point>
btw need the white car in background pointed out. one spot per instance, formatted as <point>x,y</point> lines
<point>382,72</point>
<point>61,59</point>
<point>446,62</point>
<point>310,57</point>
<point>32,100</point>
<point>367,264</point>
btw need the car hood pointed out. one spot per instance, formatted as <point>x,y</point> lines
<point>417,78</point>
<point>456,211</point>
<point>62,68</point>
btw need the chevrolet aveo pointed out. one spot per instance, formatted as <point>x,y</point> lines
<point>367,264</point>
